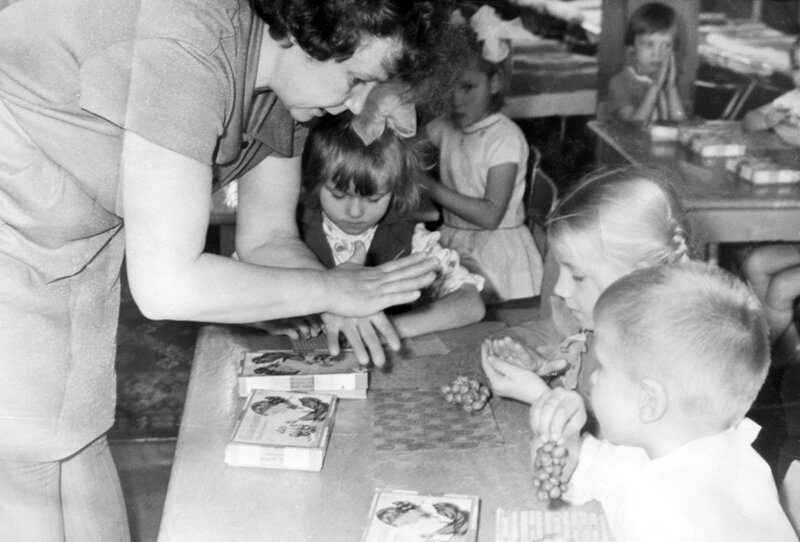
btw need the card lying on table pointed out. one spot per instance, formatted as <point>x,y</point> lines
<point>282,430</point>
<point>408,516</point>
<point>313,370</point>
<point>568,523</point>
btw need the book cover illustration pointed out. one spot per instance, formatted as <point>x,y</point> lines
<point>313,370</point>
<point>409,516</point>
<point>279,429</point>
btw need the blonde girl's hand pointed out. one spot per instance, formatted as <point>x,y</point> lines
<point>508,379</point>
<point>558,414</point>
<point>519,353</point>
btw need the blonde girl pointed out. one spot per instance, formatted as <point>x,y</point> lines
<point>610,224</point>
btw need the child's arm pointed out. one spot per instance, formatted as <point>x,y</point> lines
<point>459,308</point>
<point>485,212</point>
<point>510,380</point>
<point>763,118</point>
<point>675,110</point>
<point>641,113</point>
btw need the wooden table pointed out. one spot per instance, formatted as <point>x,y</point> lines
<point>210,501</point>
<point>721,207</point>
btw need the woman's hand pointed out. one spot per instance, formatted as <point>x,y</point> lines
<point>357,291</point>
<point>363,334</point>
<point>508,379</point>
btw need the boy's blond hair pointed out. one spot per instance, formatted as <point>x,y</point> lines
<point>695,328</point>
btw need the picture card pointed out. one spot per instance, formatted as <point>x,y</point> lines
<point>570,523</point>
<point>410,516</point>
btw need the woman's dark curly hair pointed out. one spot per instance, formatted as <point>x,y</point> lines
<point>333,29</point>
<point>334,153</point>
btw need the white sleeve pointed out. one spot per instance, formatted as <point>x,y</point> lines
<point>602,467</point>
<point>450,275</point>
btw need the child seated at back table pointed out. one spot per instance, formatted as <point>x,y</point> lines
<point>682,351</point>
<point>609,224</point>
<point>356,200</point>
<point>483,158</point>
<point>646,91</point>
<point>782,114</point>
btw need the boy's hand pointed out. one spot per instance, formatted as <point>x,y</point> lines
<point>672,72</point>
<point>558,414</point>
<point>776,115</point>
<point>663,74</point>
<point>509,379</point>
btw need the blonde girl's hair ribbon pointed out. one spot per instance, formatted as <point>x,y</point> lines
<point>496,33</point>
<point>388,105</point>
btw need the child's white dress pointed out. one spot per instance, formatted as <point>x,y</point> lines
<point>507,256</point>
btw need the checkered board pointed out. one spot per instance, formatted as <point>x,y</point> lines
<point>421,419</point>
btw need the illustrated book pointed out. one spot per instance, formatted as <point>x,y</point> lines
<point>409,516</point>
<point>306,370</point>
<point>282,430</point>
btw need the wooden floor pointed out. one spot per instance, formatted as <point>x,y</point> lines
<point>144,468</point>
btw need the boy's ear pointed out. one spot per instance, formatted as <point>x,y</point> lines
<point>652,400</point>
<point>495,85</point>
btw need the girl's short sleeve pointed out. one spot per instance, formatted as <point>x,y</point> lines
<point>507,146</point>
<point>164,90</point>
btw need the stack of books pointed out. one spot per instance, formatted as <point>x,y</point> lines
<point>282,430</point>
<point>303,370</point>
<point>762,170</point>
<point>713,139</point>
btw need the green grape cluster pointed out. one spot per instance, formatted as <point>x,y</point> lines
<point>467,392</point>
<point>549,478</point>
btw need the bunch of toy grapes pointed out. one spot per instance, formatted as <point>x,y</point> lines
<point>548,471</point>
<point>467,392</point>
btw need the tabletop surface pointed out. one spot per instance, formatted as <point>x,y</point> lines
<point>704,183</point>
<point>210,501</point>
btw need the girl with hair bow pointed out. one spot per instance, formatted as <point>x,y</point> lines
<point>483,156</point>
<point>360,176</point>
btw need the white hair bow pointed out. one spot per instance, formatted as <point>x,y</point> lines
<point>388,104</point>
<point>496,33</point>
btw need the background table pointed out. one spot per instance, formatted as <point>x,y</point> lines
<point>210,501</point>
<point>721,207</point>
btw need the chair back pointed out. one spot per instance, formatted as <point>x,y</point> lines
<point>540,199</point>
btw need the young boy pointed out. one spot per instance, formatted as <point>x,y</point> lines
<point>646,90</point>
<point>682,351</point>
<point>782,114</point>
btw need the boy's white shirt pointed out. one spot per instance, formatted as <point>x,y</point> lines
<point>716,488</point>
<point>450,275</point>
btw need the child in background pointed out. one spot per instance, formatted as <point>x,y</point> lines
<point>783,113</point>
<point>482,165</point>
<point>356,195</point>
<point>611,223</point>
<point>682,351</point>
<point>646,90</point>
